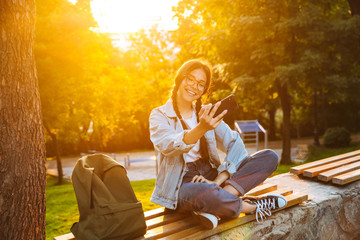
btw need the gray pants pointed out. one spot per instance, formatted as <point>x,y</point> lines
<point>211,198</point>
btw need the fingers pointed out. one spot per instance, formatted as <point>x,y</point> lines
<point>213,110</point>
<point>201,111</point>
<point>207,109</point>
<point>198,178</point>
<point>220,116</point>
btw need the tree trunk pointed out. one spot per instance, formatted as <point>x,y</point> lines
<point>22,146</point>
<point>57,154</point>
<point>354,7</point>
<point>298,135</point>
<point>286,108</point>
<point>316,130</point>
<point>323,111</point>
<point>272,128</point>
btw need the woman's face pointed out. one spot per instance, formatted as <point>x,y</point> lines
<point>192,86</point>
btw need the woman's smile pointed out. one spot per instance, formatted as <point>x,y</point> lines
<point>190,92</point>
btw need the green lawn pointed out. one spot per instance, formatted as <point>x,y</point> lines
<point>61,205</point>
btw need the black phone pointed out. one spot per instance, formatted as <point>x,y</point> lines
<point>229,103</point>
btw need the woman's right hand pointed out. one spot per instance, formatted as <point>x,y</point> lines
<point>207,120</point>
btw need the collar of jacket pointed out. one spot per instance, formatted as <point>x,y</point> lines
<point>169,109</point>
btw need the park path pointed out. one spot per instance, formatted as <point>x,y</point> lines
<point>147,169</point>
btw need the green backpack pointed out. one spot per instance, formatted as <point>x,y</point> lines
<point>107,204</point>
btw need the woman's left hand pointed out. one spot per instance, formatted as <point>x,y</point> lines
<point>199,178</point>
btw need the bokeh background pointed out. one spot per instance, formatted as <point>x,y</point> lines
<point>103,65</point>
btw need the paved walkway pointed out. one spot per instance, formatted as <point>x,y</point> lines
<point>147,169</point>
<point>136,171</point>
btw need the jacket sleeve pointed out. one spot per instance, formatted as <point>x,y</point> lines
<point>164,137</point>
<point>229,141</point>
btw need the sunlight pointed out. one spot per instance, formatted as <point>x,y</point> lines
<point>119,16</point>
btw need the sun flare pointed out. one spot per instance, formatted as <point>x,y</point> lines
<point>119,16</point>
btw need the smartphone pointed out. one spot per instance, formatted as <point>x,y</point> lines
<point>229,103</point>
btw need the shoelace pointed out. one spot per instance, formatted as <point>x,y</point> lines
<point>264,207</point>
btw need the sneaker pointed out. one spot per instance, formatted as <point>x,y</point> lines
<point>206,219</point>
<point>265,204</point>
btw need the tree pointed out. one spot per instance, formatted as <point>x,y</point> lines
<point>22,148</point>
<point>71,59</point>
<point>281,46</point>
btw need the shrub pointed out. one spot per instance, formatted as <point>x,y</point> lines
<point>337,137</point>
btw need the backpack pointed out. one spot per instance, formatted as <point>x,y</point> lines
<point>107,204</point>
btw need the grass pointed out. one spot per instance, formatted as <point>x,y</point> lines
<point>61,205</point>
<point>61,208</point>
<point>316,153</point>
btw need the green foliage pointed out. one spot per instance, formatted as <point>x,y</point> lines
<point>337,137</point>
<point>257,47</point>
<point>93,95</point>
<point>96,96</point>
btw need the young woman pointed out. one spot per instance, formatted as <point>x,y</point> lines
<point>192,178</point>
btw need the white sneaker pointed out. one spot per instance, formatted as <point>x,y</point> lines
<point>206,219</point>
<point>265,204</point>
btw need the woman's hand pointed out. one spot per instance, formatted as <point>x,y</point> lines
<point>206,119</point>
<point>199,178</point>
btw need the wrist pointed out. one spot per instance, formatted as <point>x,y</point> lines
<point>203,129</point>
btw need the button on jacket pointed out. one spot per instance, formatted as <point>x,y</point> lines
<point>167,135</point>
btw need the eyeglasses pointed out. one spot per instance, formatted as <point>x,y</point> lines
<point>191,80</point>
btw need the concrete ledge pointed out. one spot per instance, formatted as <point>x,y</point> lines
<point>332,212</point>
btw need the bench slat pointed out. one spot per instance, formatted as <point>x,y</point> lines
<point>199,232</point>
<point>171,228</point>
<point>261,189</point>
<point>282,191</point>
<point>313,172</point>
<point>328,175</point>
<point>347,177</point>
<point>163,220</point>
<point>154,213</point>
<point>300,169</point>
<point>68,236</point>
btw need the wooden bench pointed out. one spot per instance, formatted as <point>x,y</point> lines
<point>165,224</point>
<point>340,170</point>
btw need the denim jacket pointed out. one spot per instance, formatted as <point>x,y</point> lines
<point>167,135</point>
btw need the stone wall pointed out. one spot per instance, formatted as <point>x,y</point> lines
<point>332,212</point>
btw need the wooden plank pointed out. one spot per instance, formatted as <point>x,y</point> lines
<point>171,228</point>
<point>328,175</point>
<point>261,189</point>
<point>163,220</point>
<point>199,232</point>
<point>300,169</point>
<point>347,177</point>
<point>282,191</point>
<point>313,172</point>
<point>68,236</point>
<point>154,213</point>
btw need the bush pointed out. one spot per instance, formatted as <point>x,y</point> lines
<point>337,137</point>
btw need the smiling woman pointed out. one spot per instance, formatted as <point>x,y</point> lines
<point>119,16</point>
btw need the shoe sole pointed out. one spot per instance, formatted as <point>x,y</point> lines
<point>204,221</point>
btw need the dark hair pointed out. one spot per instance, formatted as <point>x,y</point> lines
<point>185,69</point>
